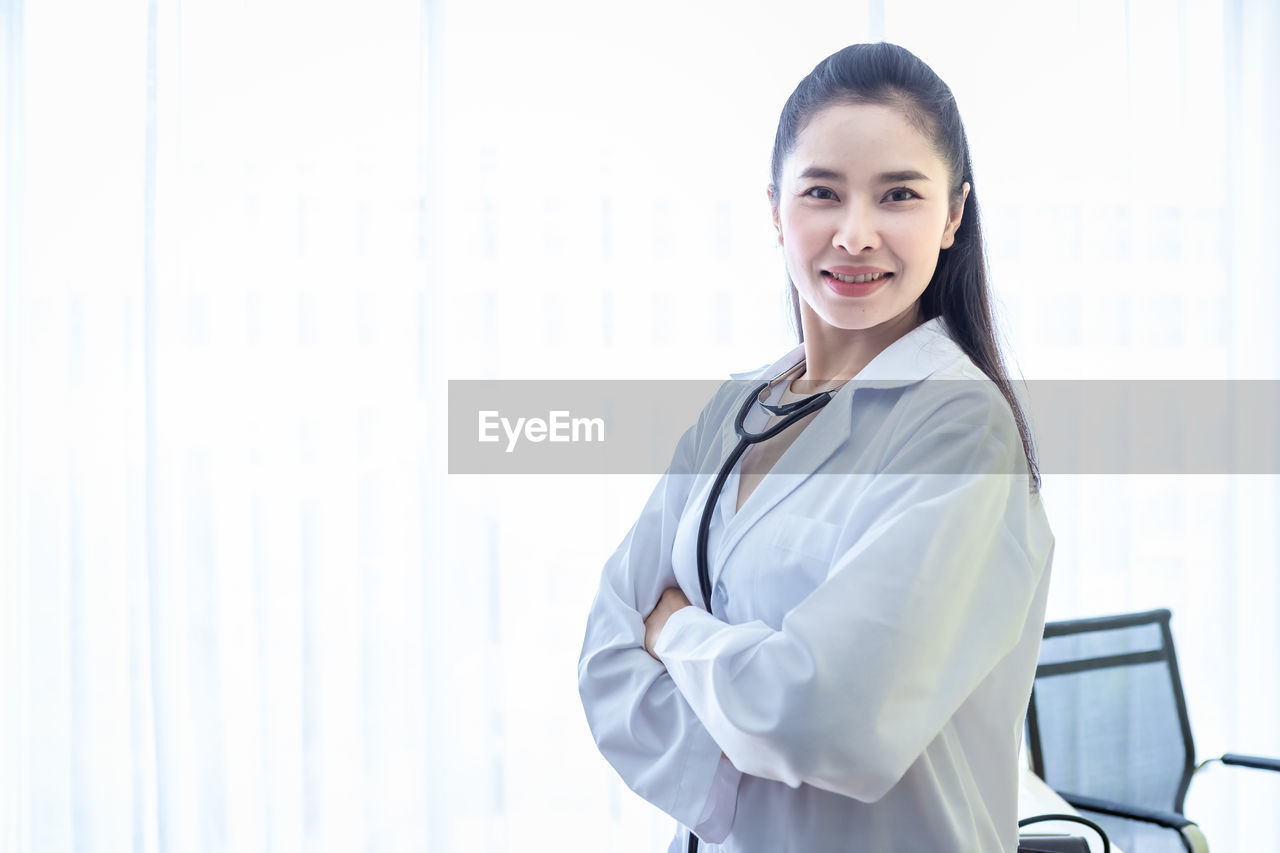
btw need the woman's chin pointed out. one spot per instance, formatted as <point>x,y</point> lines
<point>846,314</point>
<point>851,321</point>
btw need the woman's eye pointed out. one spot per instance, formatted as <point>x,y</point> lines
<point>912,194</point>
<point>820,192</point>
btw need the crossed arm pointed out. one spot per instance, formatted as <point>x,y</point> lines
<point>673,599</point>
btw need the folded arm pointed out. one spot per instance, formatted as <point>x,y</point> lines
<point>642,724</point>
<point>866,670</point>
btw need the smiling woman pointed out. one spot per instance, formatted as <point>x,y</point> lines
<point>872,559</point>
<point>831,208</point>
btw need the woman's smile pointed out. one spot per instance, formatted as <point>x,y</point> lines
<point>863,285</point>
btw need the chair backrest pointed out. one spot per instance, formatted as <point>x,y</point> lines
<point>1107,717</point>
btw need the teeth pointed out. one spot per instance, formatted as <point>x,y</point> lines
<point>857,279</point>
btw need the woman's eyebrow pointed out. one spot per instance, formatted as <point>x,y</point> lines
<point>825,174</point>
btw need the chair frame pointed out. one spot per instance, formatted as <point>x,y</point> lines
<point>1164,654</point>
<point>1175,820</point>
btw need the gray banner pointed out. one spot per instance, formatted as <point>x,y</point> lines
<point>1079,427</point>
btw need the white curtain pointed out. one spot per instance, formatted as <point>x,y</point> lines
<point>244,606</point>
<point>217,610</point>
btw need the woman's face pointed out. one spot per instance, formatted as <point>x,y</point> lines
<point>862,192</point>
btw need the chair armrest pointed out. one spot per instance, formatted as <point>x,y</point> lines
<point>1255,761</point>
<point>1188,830</point>
<point>1169,820</point>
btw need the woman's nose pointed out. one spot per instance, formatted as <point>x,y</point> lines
<point>857,230</point>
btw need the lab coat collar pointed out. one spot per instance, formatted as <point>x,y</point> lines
<point>915,356</point>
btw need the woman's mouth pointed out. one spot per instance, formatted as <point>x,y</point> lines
<point>854,285</point>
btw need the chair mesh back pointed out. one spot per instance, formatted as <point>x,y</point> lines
<point>1111,719</point>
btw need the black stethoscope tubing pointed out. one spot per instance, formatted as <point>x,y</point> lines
<point>792,412</point>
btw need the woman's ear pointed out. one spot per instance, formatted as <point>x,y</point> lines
<point>953,222</point>
<point>773,203</point>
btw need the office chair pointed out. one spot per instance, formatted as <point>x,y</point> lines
<point>1107,729</point>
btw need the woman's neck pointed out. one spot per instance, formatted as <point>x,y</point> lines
<point>834,356</point>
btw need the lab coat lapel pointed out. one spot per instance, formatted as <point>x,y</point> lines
<point>820,440</point>
<point>724,445</point>
<point>910,359</point>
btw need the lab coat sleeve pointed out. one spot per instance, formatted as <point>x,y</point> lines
<point>641,723</point>
<point>864,673</point>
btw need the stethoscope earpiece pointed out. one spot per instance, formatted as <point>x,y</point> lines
<point>784,409</point>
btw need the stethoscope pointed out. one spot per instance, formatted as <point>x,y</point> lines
<point>790,413</point>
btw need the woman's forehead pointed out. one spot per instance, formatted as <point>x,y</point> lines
<point>862,141</point>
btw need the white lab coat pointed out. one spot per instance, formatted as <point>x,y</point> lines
<point>874,629</point>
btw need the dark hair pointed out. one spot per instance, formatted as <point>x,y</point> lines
<point>889,75</point>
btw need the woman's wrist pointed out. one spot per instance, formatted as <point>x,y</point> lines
<point>671,600</point>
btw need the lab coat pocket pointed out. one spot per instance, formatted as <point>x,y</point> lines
<point>794,562</point>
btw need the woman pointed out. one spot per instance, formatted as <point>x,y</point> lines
<point>878,571</point>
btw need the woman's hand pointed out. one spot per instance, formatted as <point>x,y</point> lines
<point>672,600</point>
